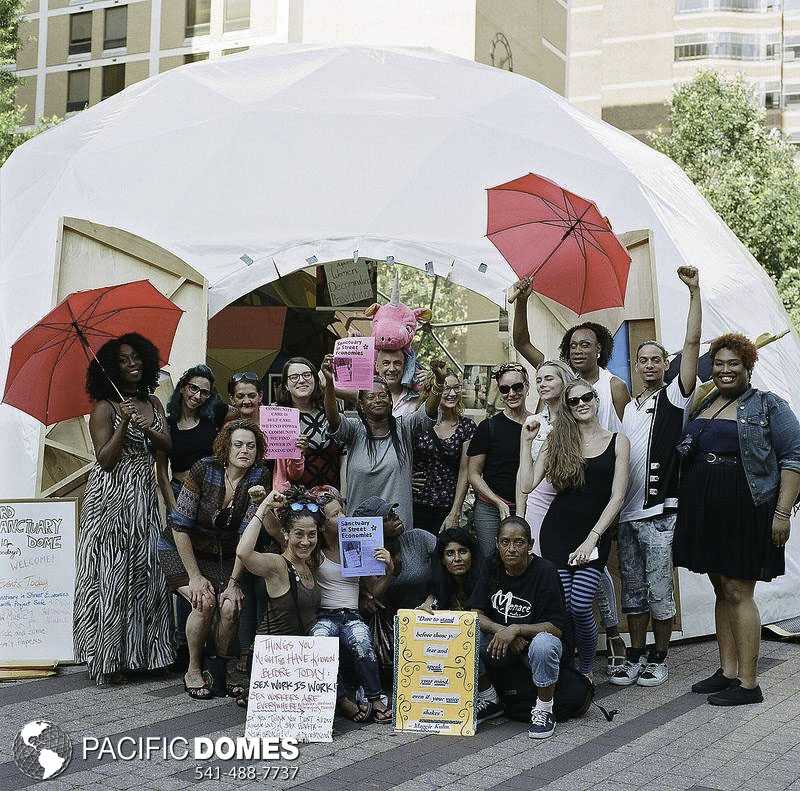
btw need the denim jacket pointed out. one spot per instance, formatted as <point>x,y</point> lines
<point>769,440</point>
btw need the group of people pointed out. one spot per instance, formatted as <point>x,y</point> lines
<point>252,547</point>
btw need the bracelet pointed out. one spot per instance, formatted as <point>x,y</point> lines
<point>261,521</point>
<point>595,530</point>
<point>234,581</point>
<point>782,514</point>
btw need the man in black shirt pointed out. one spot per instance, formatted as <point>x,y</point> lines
<point>522,616</point>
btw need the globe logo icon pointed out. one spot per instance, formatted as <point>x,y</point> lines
<point>42,750</point>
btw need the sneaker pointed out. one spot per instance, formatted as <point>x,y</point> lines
<point>715,683</point>
<point>654,674</point>
<point>628,673</point>
<point>736,696</point>
<point>488,707</point>
<point>542,724</point>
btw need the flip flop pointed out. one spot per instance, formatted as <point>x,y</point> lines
<point>383,716</point>
<point>362,715</point>
<point>197,693</point>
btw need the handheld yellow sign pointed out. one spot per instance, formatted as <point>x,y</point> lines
<point>435,671</point>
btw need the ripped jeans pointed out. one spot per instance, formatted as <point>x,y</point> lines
<point>355,642</point>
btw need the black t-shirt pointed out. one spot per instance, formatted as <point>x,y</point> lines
<point>191,445</point>
<point>498,438</point>
<point>535,596</point>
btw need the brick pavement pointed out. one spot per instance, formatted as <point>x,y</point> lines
<point>663,738</point>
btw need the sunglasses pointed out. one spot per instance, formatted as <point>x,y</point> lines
<point>245,376</point>
<point>517,387</point>
<point>311,507</point>
<point>587,398</point>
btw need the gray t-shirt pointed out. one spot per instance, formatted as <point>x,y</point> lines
<point>381,475</point>
<point>409,586</point>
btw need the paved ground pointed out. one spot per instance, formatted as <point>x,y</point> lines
<point>662,738</point>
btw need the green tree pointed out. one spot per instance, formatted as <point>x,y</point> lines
<point>11,116</point>
<point>789,288</point>
<point>747,171</point>
<point>449,306</point>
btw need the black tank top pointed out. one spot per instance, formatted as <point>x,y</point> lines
<point>574,512</point>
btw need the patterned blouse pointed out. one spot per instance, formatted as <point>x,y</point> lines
<point>440,459</point>
<point>198,511</point>
<point>321,463</point>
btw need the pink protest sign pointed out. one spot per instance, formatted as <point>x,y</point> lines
<point>281,427</point>
<point>354,363</point>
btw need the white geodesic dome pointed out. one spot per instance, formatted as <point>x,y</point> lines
<point>292,151</point>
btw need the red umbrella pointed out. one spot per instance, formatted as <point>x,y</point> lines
<point>561,241</point>
<point>46,375</point>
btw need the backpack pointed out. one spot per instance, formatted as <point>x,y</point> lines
<point>573,697</point>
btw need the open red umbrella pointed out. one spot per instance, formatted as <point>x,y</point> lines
<point>47,371</point>
<point>561,241</point>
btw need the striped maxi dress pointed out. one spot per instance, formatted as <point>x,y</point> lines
<point>122,606</point>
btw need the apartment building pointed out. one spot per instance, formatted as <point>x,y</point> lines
<point>75,53</point>
<point>625,56</point>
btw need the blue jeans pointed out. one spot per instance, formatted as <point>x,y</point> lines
<point>486,520</point>
<point>645,564</point>
<point>543,657</point>
<point>356,641</point>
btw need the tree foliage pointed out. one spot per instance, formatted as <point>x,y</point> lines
<point>11,116</point>
<point>745,170</point>
<point>449,306</point>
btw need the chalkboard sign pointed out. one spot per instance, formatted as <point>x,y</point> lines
<point>293,688</point>
<point>37,581</point>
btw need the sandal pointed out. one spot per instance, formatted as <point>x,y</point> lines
<point>615,659</point>
<point>237,691</point>
<point>383,714</point>
<point>357,713</point>
<point>242,701</point>
<point>200,693</point>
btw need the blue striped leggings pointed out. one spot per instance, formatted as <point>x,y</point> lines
<point>580,588</point>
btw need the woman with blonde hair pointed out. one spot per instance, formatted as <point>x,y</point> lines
<point>588,467</point>
<point>440,476</point>
<point>552,376</point>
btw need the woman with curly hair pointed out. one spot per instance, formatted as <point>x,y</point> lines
<point>200,563</point>
<point>293,593</point>
<point>379,445</point>
<point>440,476</point>
<point>588,468</point>
<point>740,477</point>
<point>195,414</point>
<point>321,456</point>
<point>122,607</point>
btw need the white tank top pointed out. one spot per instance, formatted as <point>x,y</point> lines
<point>338,592</point>
<point>606,414</point>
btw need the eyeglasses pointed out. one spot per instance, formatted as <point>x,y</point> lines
<point>311,507</point>
<point>454,389</point>
<point>195,390</point>
<point>587,398</point>
<point>245,376</point>
<point>377,395</point>
<point>517,387</point>
<point>517,543</point>
<point>306,376</point>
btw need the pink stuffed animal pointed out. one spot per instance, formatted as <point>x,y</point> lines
<point>394,326</point>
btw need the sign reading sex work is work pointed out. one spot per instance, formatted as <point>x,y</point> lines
<point>281,427</point>
<point>435,672</point>
<point>293,688</point>
<point>354,363</point>
<point>37,581</point>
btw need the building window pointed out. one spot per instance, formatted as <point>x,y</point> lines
<point>747,6</point>
<point>237,15</point>
<point>113,79</point>
<point>726,46</point>
<point>198,18</point>
<point>791,94</point>
<point>116,32</point>
<point>234,50</point>
<point>80,33</point>
<point>194,57</point>
<point>772,96</point>
<point>77,90</point>
<point>791,48</point>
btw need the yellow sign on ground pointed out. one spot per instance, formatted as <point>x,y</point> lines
<point>435,671</point>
